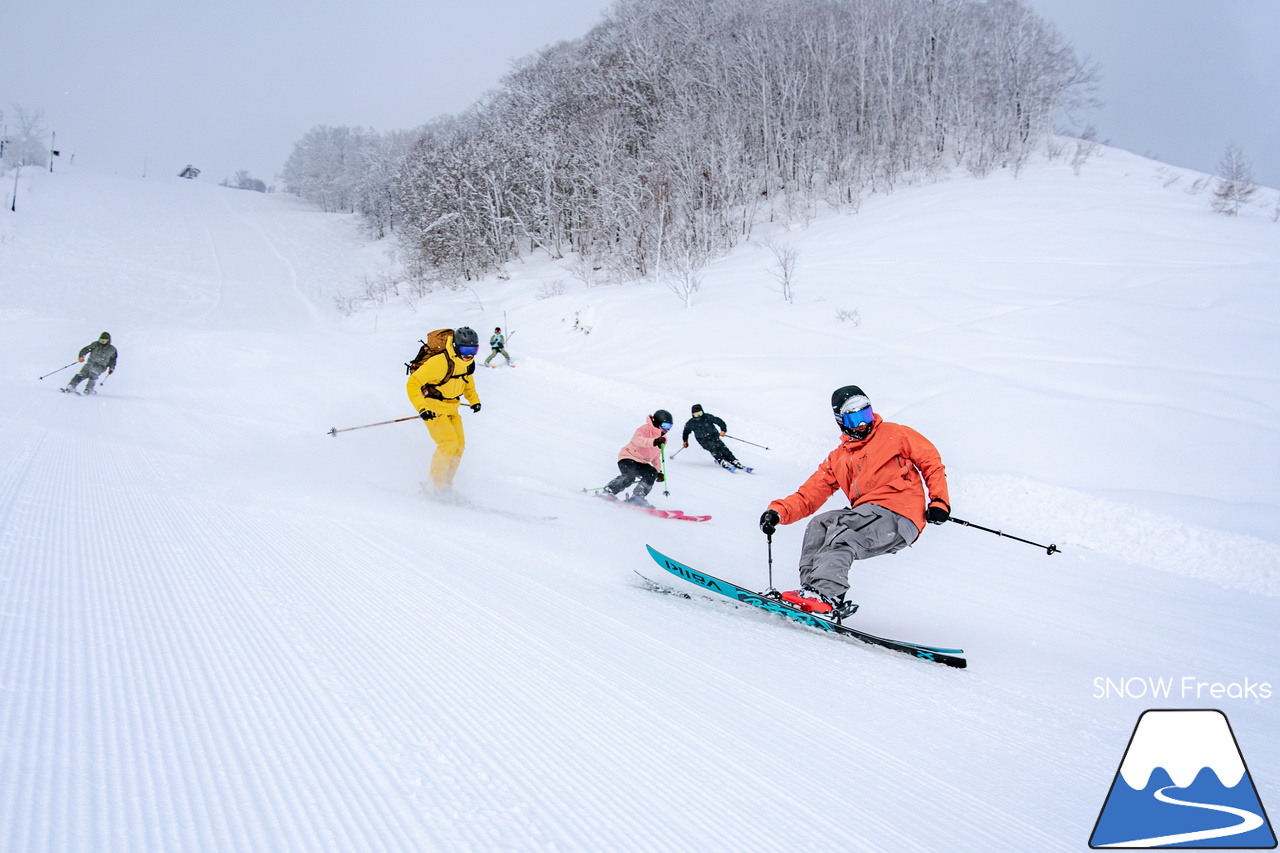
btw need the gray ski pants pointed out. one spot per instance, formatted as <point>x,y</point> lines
<point>833,540</point>
<point>91,372</point>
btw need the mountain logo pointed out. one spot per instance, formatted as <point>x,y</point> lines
<point>1183,783</point>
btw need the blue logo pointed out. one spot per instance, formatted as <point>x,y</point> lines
<point>1183,783</point>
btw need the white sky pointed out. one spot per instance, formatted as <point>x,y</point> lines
<point>1182,78</point>
<point>232,85</point>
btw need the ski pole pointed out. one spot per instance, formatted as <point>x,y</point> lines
<point>769,546</point>
<point>334,432</point>
<point>663,449</point>
<point>60,369</point>
<point>1048,549</point>
<point>677,453</point>
<point>744,441</point>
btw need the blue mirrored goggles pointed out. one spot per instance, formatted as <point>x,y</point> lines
<point>665,427</point>
<point>468,352</point>
<point>853,420</point>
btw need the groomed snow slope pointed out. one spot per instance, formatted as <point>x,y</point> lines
<point>223,629</point>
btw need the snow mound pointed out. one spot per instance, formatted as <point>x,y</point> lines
<point>1122,531</point>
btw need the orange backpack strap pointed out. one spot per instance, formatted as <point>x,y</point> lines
<point>437,342</point>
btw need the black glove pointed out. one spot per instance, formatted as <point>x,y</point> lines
<point>425,415</point>
<point>769,521</point>
<point>661,477</point>
<point>938,514</point>
<point>659,441</point>
<point>475,407</point>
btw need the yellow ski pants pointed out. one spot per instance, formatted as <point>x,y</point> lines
<point>446,431</point>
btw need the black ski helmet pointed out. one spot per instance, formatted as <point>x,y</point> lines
<point>465,337</point>
<point>660,417</point>
<point>697,407</point>
<point>106,337</point>
<point>847,400</point>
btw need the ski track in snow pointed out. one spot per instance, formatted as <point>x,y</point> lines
<point>231,667</point>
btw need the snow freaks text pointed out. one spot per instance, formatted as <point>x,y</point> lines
<point>1184,687</point>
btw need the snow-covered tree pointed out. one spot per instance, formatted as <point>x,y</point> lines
<point>244,181</point>
<point>1235,184</point>
<point>28,141</point>
<point>326,167</point>
<point>671,129</point>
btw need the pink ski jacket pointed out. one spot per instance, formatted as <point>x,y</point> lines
<point>641,447</point>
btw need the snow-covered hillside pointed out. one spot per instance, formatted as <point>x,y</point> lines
<point>223,629</point>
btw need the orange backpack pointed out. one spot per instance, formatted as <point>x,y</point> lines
<point>436,343</point>
<point>439,341</point>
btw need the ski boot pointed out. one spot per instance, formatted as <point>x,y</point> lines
<point>809,600</point>
<point>812,601</point>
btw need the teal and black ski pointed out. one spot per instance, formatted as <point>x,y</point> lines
<point>949,657</point>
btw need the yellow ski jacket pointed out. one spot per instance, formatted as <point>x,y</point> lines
<point>440,381</point>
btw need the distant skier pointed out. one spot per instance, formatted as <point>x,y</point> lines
<point>96,357</point>
<point>708,429</point>
<point>435,387</point>
<point>497,343</point>
<point>640,461</point>
<point>880,467</point>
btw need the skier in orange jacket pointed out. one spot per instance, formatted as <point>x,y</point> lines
<point>883,468</point>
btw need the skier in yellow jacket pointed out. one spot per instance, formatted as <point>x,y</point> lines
<point>435,387</point>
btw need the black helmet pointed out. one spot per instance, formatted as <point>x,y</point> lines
<point>852,411</point>
<point>105,336</point>
<point>660,417</point>
<point>466,337</point>
<point>697,407</point>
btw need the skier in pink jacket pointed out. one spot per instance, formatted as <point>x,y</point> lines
<point>641,459</point>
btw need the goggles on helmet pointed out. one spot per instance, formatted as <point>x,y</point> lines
<point>855,412</point>
<point>468,352</point>
<point>665,426</point>
<point>853,420</point>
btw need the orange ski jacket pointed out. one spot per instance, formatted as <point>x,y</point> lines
<point>890,468</point>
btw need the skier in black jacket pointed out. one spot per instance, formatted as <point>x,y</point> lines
<point>707,428</point>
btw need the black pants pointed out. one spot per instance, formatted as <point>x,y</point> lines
<point>631,471</point>
<point>716,448</point>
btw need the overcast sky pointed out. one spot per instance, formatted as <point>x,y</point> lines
<point>232,85</point>
<point>1182,78</point>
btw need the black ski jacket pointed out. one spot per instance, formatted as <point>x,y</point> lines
<point>707,428</point>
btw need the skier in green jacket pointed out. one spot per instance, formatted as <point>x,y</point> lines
<point>497,343</point>
<point>96,357</point>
